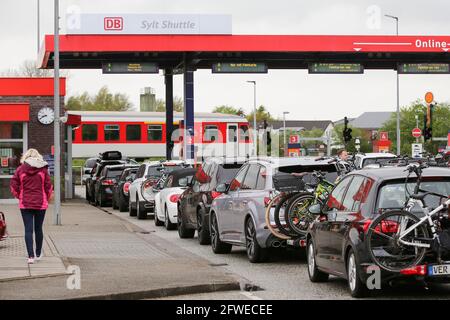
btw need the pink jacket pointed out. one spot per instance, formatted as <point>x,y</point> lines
<point>31,184</point>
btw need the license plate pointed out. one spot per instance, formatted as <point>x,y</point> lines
<point>439,270</point>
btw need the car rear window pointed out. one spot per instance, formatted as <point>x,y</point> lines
<point>329,169</point>
<point>114,173</point>
<point>381,160</point>
<point>393,195</point>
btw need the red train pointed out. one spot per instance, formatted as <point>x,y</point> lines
<point>142,134</point>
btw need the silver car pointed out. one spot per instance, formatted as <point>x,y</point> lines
<point>238,215</point>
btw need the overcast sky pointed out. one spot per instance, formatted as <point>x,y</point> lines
<point>304,96</point>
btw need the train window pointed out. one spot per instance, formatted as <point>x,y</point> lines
<point>244,134</point>
<point>154,132</point>
<point>89,132</point>
<point>211,133</point>
<point>232,133</point>
<point>134,132</point>
<point>112,132</point>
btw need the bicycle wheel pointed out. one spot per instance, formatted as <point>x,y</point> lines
<point>267,218</point>
<point>383,241</point>
<point>279,212</point>
<point>297,213</point>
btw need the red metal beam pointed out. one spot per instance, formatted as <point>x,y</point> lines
<point>30,86</point>
<point>244,43</point>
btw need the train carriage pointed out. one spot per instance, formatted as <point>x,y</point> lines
<point>143,134</point>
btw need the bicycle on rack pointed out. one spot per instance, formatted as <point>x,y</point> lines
<point>399,239</point>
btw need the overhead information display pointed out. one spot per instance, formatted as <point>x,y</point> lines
<point>131,67</point>
<point>336,68</point>
<point>240,67</point>
<point>423,68</point>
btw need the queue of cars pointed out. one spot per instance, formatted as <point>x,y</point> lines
<point>225,201</point>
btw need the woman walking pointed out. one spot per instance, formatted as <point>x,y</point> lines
<point>31,184</point>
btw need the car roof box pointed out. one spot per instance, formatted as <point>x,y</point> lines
<point>111,155</point>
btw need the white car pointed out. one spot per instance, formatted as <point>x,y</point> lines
<point>147,176</point>
<point>166,200</point>
<point>364,159</point>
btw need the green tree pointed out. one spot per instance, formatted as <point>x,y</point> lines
<point>440,125</point>
<point>228,110</point>
<point>178,105</point>
<point>261,115</point>
<point>102,101</point>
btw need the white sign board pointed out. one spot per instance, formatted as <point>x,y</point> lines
<point>90,23</point>
<point>417,150</point>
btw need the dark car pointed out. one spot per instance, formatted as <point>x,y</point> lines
<point>87,168</point>
<point>121,189</point>
<point>95,175</point>
<point>105,183</point>
<point>195,202</point>
<point>337,240</point>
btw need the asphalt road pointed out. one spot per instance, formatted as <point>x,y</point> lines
<point>285,276</point>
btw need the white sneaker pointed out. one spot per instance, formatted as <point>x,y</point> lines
<point>30,260</point>
<point>39,258</point>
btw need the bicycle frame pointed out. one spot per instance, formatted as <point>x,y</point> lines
<point>428,216</point>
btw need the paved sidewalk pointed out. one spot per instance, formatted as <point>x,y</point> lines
<point>116,260</point>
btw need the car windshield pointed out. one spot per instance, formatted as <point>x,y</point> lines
<point>90,163</point>
<point>381,160</point>
<point>394,195</point>
<point>225,175</point>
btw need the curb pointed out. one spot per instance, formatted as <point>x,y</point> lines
<point>164,292</point>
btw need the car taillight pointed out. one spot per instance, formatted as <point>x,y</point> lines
<point>215,194</point>
<point>415,271</point>
<point>386,226</point>
<point>108,182</point>
<point>126,187</point>
<point>267,201</point>
<point>149,183</point>
<point>174,198</point>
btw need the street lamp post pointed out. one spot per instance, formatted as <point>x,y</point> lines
<point>398,89</point>
<point>284,131</point>
<point>56,124</point>
<point>38,22</point>
<point>255,134</point>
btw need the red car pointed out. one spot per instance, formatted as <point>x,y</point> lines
<point>3,234</point>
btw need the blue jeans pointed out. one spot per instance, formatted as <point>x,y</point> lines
<point>33,220</point>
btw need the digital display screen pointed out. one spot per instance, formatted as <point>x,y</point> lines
<point>350,68</point>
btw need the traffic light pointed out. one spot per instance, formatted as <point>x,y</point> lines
<point>428,119</point>
<point>347,132</point>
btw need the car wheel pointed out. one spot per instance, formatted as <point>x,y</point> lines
<point>255,252</point>
<point>131,210</point>
<point>358,289</point>
<point>140,210</point>
<point>315,275</point>
<point>158,222</point>
<point>183,231</point>
<point>87,194</point>
<point>114,203</point>
<point>217,245</point>
<point>202,227</point>
<point>122,204</point>
<point>169,225</point>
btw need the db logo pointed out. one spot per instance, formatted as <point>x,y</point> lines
<point>113,23</point>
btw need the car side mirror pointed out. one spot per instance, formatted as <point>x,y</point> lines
<point>315,209</point>
<point>222,188</point>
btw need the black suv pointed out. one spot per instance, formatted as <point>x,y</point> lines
<point>121,189</point>
<point>105,183</point>
<point>195,202</point>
